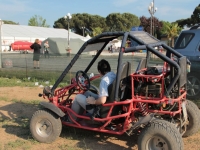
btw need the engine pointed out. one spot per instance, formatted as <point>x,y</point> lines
<point>150,90</point>
<point>152,87</point>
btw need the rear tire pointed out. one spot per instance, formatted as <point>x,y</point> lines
<point>45,126</point>
<point>193,113</point>
<point>159,135</point>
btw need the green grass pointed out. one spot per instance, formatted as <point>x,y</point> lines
<point>22,144</point>
<point>27,78</point>
<point>18,78</point>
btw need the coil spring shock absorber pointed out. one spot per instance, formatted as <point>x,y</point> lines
<point>143,108</point>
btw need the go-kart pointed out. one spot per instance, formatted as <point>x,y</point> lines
<point>149,101</point>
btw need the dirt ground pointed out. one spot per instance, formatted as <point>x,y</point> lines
<point>17,104</point>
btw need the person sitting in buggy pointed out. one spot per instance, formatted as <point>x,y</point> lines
<point>82,100</point>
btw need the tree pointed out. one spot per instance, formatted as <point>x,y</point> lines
<point>113,22</point>
<point>146,24</point>
<point>165,27</point>
<point>99,23</point>
<point>37,21</point>
<point>184,22</point>
<point>9,22</point>
<point>89,22</point>
<point>172,30</point>
<point>121,22</point>
<point>96,31</point>
<point>195,17</point>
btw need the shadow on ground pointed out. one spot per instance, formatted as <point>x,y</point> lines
<point>15,119</point>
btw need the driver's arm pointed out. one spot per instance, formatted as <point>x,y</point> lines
<point>99,101</point>
<point>103,94</point>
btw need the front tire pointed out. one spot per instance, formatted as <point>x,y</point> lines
<point>193,86</point>
<point>159,135</point>
<point>45,126</point>
<point>193,118</point>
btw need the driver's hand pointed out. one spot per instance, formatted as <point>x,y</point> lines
<point>90,100</point>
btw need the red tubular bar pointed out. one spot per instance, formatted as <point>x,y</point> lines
<point>130,105</point>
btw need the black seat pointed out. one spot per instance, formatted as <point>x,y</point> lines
<point>125,71</point>
<point>183,77</point>
<point>142,64</point>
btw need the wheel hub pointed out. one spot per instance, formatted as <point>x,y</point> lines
<point>157,143</point>
<point>44,128</point>
<point>160,144</point>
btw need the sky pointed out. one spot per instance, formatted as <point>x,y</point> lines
<point>20,11</point>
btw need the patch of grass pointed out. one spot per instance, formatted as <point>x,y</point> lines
<point>33,141</point>
<point>17,144</point>
<point>26,78</point>
<point>9,82</point>
<point>68,147</point>
<point>5,121</point>
<point>23,122</point>
<point>3,99</point>
<point>32,102</point>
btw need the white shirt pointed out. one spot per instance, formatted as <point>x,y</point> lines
<point>106,80</point>
<point>46,45</point>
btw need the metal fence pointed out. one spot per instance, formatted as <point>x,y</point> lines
<point>23,62</point>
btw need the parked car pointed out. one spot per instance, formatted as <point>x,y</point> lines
<point>188,44</point>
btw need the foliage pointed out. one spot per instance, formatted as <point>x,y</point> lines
<point>94,23</point>
<point>6,82</point>
<point>37,21</point>
<point>184,22</point>
<point>20,78</point>
<point>9,22</point>
<point>22,144</point>
<point>96,31</point>
<point>97,22</point>
<point>188,22</point>
<point>146,23</point>
<point>195,17</point>
<point>78,21</point>
<point>166,24</point>
<point>172,30</point>
<point>121,22</point>
<point>9,78</point>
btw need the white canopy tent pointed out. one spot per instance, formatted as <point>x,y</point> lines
<point>11,33</point>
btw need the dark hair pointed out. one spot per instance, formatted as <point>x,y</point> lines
<point>103,66</point>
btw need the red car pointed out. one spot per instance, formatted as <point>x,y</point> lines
<point>21,46</point>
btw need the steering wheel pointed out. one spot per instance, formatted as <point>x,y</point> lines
<point>83,80</point>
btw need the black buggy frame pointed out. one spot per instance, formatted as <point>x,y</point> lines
<point>145,42</point>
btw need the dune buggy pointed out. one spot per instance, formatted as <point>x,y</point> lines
<point>148,100</point>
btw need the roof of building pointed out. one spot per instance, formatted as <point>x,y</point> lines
<point>9,30</point>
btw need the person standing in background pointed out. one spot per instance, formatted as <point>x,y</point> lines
<point>46,49</point>
<point>36,53</point>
